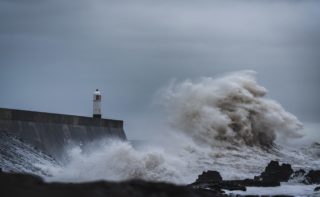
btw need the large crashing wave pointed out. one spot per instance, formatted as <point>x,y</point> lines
<point>116,160</point>
<point>221,114</point>
<point>232,108</point>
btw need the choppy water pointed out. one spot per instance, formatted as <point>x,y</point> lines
<point>17,156</point>
<point>223,124</point>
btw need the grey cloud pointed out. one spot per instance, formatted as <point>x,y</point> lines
<point>54,53</point>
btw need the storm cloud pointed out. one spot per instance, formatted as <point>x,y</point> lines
<point>54,54</point>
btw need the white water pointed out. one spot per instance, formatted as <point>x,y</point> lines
<point>296,190</point>
<point>180,163</point>
<point>18,156</point>
<point>223,124</point>
<point>232,109</point>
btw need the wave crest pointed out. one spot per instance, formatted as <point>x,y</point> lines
<point>232,108</point>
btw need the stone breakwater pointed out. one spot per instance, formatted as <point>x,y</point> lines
<point>51,133</point>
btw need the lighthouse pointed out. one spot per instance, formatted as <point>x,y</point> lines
<point>96,104</point>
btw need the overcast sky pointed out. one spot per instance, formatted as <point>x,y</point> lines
<point>54,53</point>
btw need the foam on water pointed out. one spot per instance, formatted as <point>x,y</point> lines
<point>118,160</point>
<point>180,163</point>
<point>296,190</point>
<point>17,156</point>
<point>223,124</point>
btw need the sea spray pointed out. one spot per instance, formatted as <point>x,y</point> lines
<point>118,160</point>
<point>223,124</point>
<point>232,109</point>
<point>18,156</point>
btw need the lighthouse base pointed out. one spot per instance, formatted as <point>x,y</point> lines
<point>97,116</point>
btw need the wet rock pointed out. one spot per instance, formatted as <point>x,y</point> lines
<point>275,172</point>
<point>253,183</point>
<point>208,192</point>
<point>248,196</point>
<point>233,185</point>
<point>18,185</point>
<point>317,189</point>
<point>313,177</point>
<point>299,176</point>
<point>298,173</point>
<point>209,177</point>
<point>282,196</point>
<point>261,196</point>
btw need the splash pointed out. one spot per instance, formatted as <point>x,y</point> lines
<point>18,156</point>
<point>118,160</point>
<point>229,116</point>
<point>230,109</point>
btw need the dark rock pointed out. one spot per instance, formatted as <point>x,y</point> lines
<point>212,187</point>
<point>282,196</point>
<point>233,185</point>
<point>262,196</point>
<point>313,177</point>
<point>253,183</point>
<point>248,196</point>
<point>317,189</point>
<point>20,185</point>
<point>276,173</point>
<point>209,177</point>
<point>208,192</point>
<point>298,173</point>
<point>212,180</point>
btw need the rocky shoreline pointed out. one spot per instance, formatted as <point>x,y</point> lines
<point>209,183</point>
<point>272,176</point>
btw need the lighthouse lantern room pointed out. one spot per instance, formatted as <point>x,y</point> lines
<point>97,104</point>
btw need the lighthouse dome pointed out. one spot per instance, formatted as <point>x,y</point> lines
<point>97,92</point>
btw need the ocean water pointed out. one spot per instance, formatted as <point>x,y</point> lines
<point>225,124</point>
<point>297,190</point>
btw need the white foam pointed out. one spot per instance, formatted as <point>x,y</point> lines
<point>232,108</point>
<point>297,190</point>
<point>203,112</point>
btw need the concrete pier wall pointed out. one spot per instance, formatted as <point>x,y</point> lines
<point>51,133</point>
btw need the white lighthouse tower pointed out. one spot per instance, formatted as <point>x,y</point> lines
<point>96,104</point>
